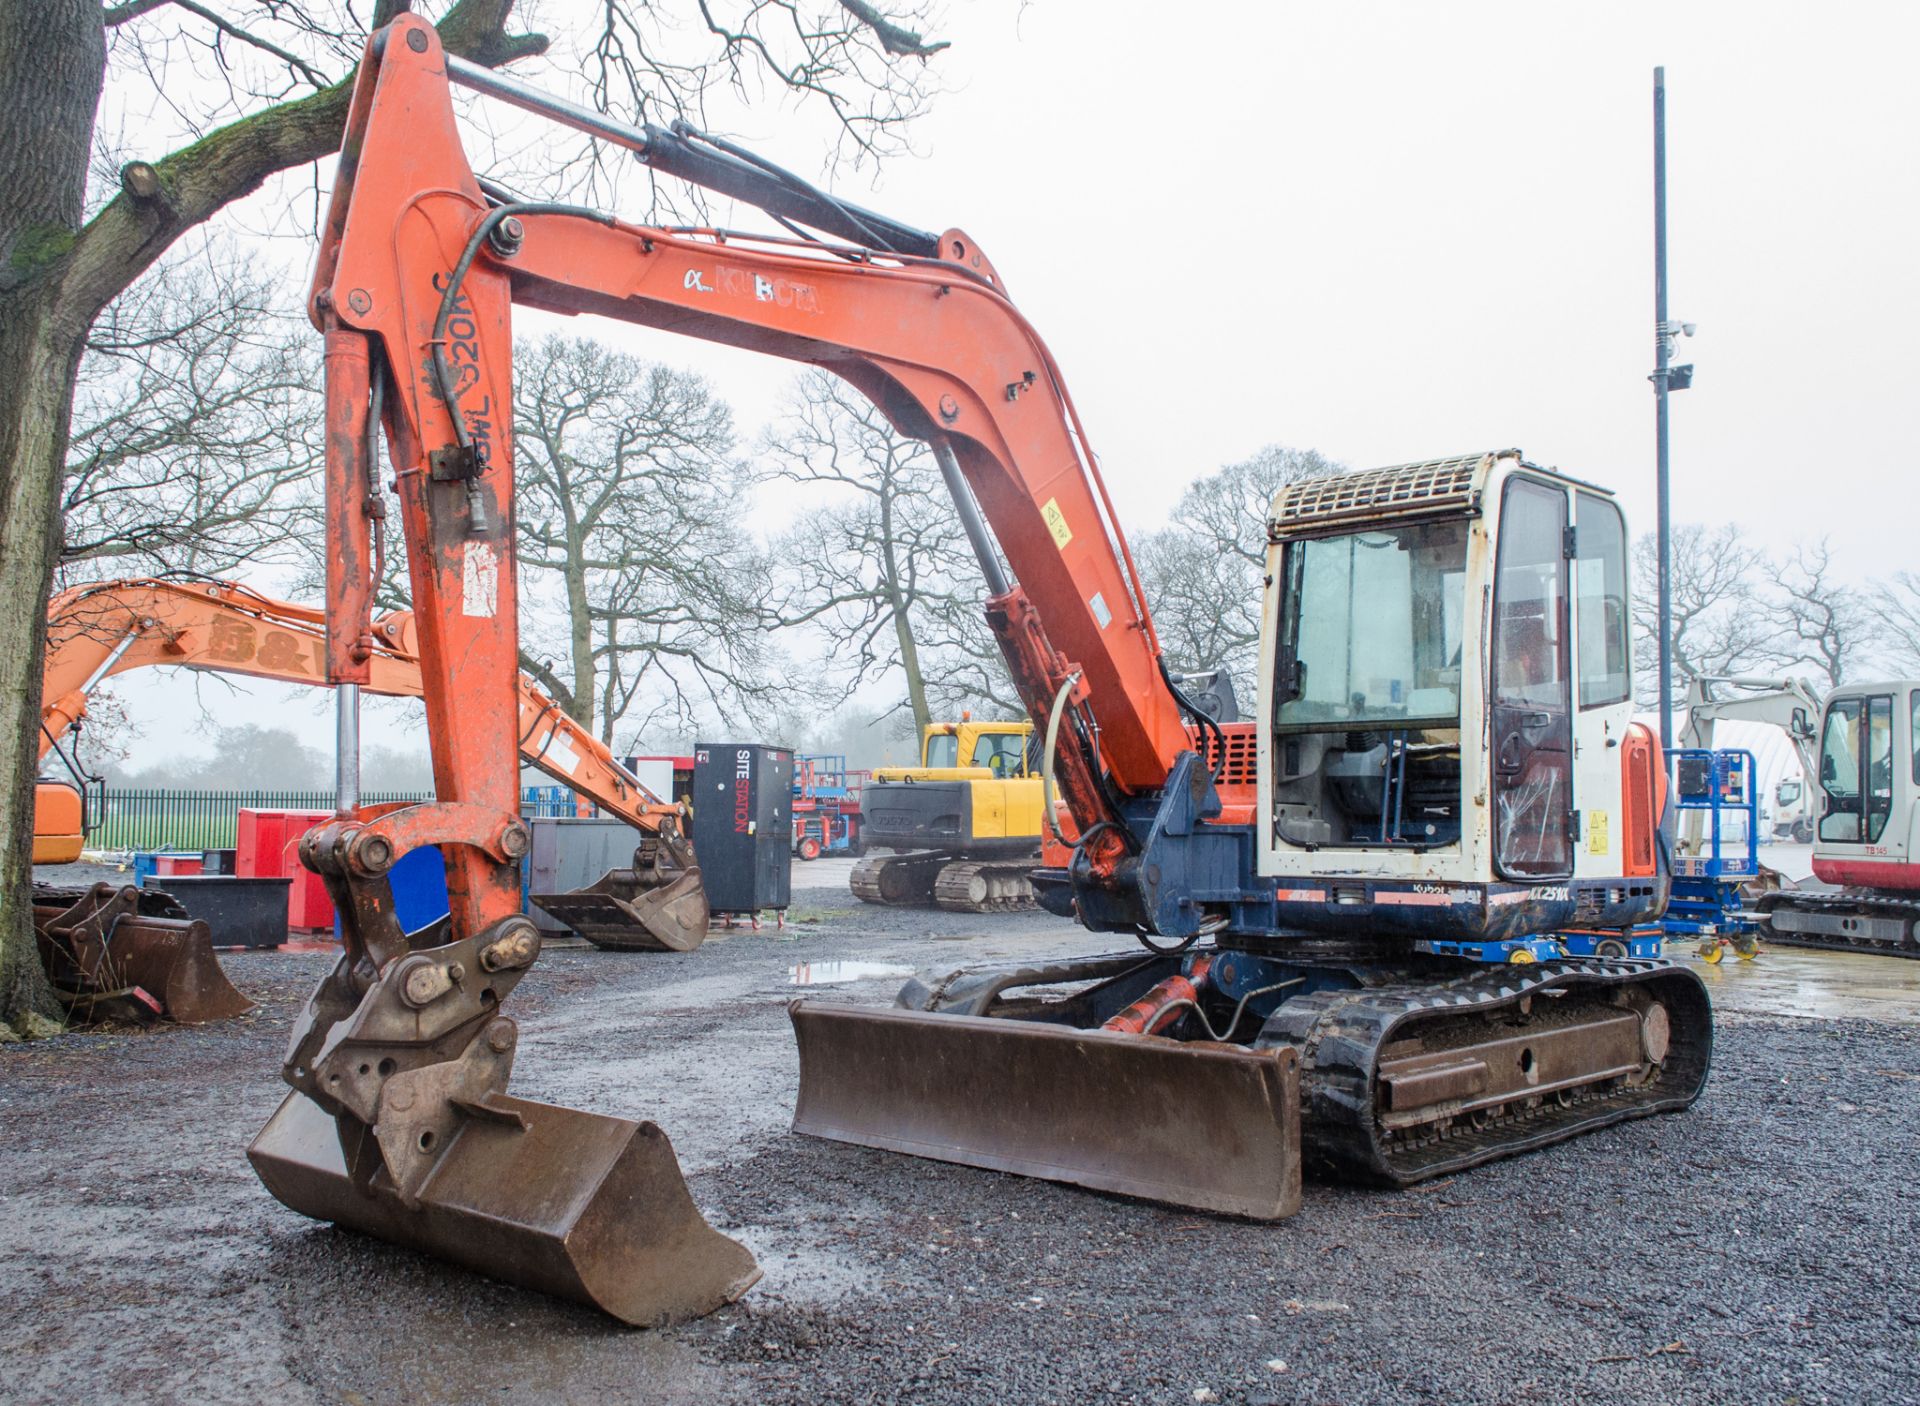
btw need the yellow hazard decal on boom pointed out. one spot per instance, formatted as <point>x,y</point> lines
<point>1056,522</point>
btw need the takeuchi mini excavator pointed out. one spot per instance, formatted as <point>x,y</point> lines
<point>963,826</point>
<point>1860,752</point>
<point>1443,759</point>
<point>104,628</point>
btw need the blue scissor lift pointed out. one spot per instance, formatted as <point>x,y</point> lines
<point>1706,900</point>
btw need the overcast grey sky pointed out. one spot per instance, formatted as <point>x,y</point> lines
<point>1397,231</point>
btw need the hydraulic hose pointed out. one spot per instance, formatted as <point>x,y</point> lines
<point>1047,795</point>
<point>443,377</point>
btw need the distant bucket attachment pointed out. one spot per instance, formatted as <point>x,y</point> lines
<point>110,960</point>
<point>624,911</point>
<point>1213,1127</point>
<point>579,1205</point>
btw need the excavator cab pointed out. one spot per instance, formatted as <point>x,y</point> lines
<point>1351,962</point>
<point>1448,703</point>
<point>1001,747</point>
<point>1865,813</point>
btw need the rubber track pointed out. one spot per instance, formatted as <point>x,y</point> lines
<point>1865,907</point>
<point>952,890</point>
<point>865,879</point>
<point>1340,1034</point>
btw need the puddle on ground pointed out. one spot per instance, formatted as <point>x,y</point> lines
<point>824,973</point>
<point>1805,982</point>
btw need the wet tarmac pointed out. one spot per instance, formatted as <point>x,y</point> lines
<point>830,973</point>
<point>1808,984</point>
<point>1708,1256</point>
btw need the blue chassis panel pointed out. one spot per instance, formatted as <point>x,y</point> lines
<point>1187,867</point>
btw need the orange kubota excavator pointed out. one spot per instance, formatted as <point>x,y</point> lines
<point>1335,901</point>
<point>109,627</point>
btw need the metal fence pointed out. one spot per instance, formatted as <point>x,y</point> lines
<point>196,820</point>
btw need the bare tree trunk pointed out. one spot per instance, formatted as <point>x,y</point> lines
<point>36,393</point>
<point>580,628</point>
<point>903,621</point>
<point>55,277</point>
<point>51,57</point>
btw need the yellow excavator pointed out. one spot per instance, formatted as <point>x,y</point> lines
<point>962,828</point>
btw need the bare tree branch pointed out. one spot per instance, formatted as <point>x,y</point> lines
<point>1720,623</point>
<point>1822,623</point>
<point>120,14</point>
<point>197,415</point>
<point>1202,572</point>
<point>286,56</point>
<point>630,538</point>
<point>895,39</point>
<point>880,568</point>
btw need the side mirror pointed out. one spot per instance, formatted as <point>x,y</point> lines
<point>1802,724</point>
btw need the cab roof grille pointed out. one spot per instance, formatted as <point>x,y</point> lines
<point>1437,487</point>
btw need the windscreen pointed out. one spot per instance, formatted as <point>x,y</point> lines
<point>1000,752</point>
<point>1371,627</point>
<point>943,749</point>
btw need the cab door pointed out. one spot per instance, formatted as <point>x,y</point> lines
<point>1531,716</point>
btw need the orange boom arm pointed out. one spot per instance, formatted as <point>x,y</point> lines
<point>420,261</point>
<point>109,627</point>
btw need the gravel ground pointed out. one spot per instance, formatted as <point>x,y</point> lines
<point>1759,1248</point>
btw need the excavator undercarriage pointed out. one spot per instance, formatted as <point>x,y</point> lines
<point>937,879</point>
<point>1173,1079</point>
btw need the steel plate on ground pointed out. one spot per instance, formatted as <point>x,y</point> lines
<point>578,1205</point>
<point>1214,1127</point>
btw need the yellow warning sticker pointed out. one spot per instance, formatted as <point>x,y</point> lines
<point>1597,832</point>
<point>1056,522</point>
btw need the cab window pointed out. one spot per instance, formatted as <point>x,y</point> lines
<point>943,749</point>
<point>1000,753</point>
<point>1856,769</point>
<point>1600,545</point>
<point>1879,765</point>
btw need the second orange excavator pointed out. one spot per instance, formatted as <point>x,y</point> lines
<point>105,628</point>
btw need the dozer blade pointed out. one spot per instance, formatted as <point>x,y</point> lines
<point>620,914</point>
<point>1214,1127</point>
<point>578,1205</point>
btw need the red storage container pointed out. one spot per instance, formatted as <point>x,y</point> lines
<point>308,907</point>
<point>170,864</point>
<point>267,846</point>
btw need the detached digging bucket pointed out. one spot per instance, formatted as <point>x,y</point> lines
<point>104,954</point>
<point>620,913</point>
<point>578,1205</point>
